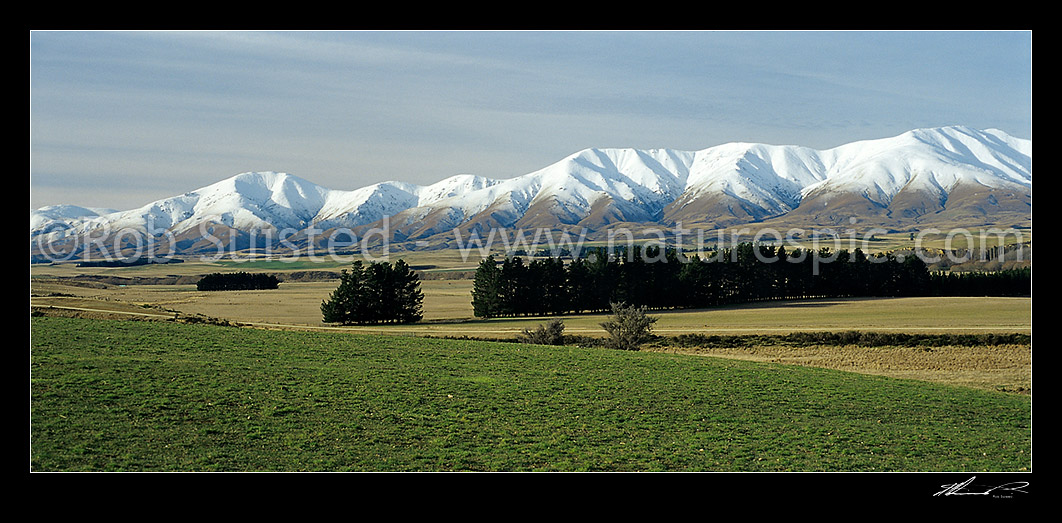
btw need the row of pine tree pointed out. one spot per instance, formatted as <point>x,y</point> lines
<point>660,279</point>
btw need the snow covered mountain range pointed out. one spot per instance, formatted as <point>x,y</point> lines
<point>953,175</point>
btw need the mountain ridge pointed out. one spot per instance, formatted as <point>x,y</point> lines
<point>955,173</point>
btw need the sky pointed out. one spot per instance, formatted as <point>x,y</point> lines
<point>121,119</point>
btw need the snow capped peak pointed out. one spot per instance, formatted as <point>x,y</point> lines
<point>68,212</point>
<point>453,186</point>
<point>281,188</point>
<point>62,217</point>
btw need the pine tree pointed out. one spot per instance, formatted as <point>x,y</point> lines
<point>347,304</point>
<point>486,290</point>
<point>604,278</point>
<point>578,286</point>
<point>557,299</point>
<point>512,287</point>
<point>408,297</point>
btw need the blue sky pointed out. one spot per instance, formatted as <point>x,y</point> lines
<point>120,119</point>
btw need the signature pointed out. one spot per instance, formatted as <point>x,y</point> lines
<point>959,489</point>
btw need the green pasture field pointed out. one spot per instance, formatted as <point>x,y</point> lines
<point>279,265</point>
<point>162,396</point>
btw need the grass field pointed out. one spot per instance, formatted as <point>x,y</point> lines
<point>162,396</point>
<point>294,394</point>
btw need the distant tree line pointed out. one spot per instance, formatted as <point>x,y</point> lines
<point>237,281</point>
<point>1011,282</point>
<point>134,262</point>
<point>378,292</point>
<point>660,279</point>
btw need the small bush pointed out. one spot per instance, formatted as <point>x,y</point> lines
<point>551,333</point>
<point>628,327</point>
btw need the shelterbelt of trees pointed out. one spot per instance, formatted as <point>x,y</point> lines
<point>660,279</point>
<point>237,281</point>
<point>378,292</point>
